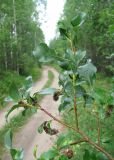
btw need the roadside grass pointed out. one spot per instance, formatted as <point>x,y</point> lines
<point>103,81</point>
<point>8,77</point>
<point>50,79</point>
<point>56,67</point>
<point>17,122</point>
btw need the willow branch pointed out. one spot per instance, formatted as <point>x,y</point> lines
<point>76,115</point>
<point>84,136</point>
<point>75,105</point>
<point>77,142</point>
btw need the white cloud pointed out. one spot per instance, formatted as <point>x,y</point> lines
<point>53,12</point>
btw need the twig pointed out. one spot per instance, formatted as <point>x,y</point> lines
<point>75,111</point>
<point>85,138</point>
<point>75,106</point>
<point>77,142</point>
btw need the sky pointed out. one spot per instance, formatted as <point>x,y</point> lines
<point>50,17</point>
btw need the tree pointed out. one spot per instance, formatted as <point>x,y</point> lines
<point>20,33</point>
<point>79,95</point>
<point>97,39</point>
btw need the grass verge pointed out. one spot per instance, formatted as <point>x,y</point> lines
<point>17,122</point>
<point>7,78</point>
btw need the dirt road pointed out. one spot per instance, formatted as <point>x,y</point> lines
<point>28,137</point>
<point>36,86</point>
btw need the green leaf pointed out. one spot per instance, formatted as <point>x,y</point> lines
<point>34,110</point>
<point>69,88</point>
<point>78,20</point>
<point>63,77</point>
<point>35,152</point>
<point>63,32</point>
<point>80,91</point>
<point>28,82</point>
<point>51,154</point>
<point>47,91</point>
<point>14,93</point>
<point>79,56</point>
<point>61,139</point>
<point>13,108</point>
<point>62,29</point>
<point>88,100</point>
<point>24,112</point>
<point>64,65</point>
<point>87,72</point>
<point>17,154</point>
<point>41,129</point>
<point>8,139</point>
<point>65,104</point>
<point>43,48</point>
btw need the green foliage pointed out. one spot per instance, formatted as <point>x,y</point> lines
<point>78,20</point>
<point>14,93</point>
<point>87,71</point>
<point>93,31</point>
<point>40,128</point>
<point>8,139</point>
<point>49,154</point>
<point>7,78</point>
<point>47,91</point>
<point>44,53</point>
<point>88,110</point>
<point>35,152</point>
<point>19,36</point>
<point>13,108</point>
<point>17,122</point>
<point>15,154</point>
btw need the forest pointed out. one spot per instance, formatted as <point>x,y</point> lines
<point>57,99</point>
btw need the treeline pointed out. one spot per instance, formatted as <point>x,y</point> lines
<point>20,33</point>
<point>96,35</point>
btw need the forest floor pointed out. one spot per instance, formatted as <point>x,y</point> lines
<point>28,137</point>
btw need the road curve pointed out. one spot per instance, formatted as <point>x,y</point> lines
<point>36,86</point>
<point>28,136</point>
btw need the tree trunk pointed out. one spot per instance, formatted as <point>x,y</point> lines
<point>5,59</point>
<point>15,34</point>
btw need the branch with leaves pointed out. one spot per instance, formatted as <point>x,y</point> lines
<point>75,78</point>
